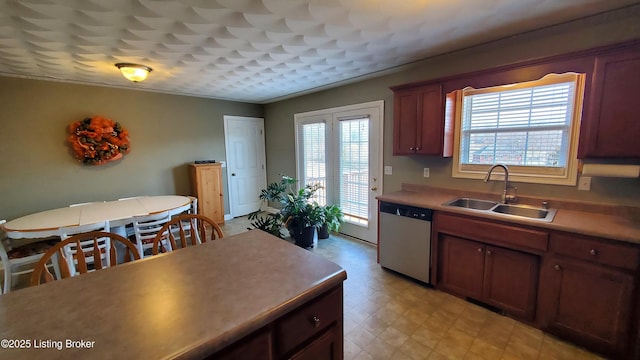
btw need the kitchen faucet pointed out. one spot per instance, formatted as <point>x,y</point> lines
<point>505,198</point>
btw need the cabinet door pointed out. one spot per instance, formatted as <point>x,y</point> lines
<point>588,303</point>
<point>461,264</point>
<point>208,189</point>
<point>323,348</point>
<point>611,126</point>
<point>511,281</point>
<point>405,122</point>
<point>430,134</point>
<point>418,121</point>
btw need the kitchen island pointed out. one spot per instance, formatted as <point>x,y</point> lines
<point>209,300</point>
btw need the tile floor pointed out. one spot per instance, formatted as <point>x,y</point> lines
<point>387,316</point>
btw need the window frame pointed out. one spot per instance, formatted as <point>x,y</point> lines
<point>566,175</point>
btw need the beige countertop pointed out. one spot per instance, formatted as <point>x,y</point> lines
<point>604,221</point>
<point>184,304</point>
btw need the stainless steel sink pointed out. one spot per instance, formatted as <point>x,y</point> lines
<point>531,212</point>
<point>504,210</point>
<point>475,204</point>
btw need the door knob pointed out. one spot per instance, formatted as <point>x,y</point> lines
<point>233,174</point>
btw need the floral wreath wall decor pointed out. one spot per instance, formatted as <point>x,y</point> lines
<point>98,140</point>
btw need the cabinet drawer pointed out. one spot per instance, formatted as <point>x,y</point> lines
<point>493,233</point>
<point>596,250</point>
<point>307,321</point>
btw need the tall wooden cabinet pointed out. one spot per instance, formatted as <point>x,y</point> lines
<point>207,187</point>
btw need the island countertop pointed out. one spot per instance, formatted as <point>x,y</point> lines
<point>186,304</point>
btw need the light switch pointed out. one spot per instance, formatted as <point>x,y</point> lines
<point>388,170</point>
<point>425,172</point>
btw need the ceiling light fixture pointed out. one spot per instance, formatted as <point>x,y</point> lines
<point>134,72</point>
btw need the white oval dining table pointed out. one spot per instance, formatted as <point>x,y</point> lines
<point>118,213</point>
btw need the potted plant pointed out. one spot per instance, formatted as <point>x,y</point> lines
<point>272,222</point>
<point>333,218</point>
<point>296,213</point>
<point>302,224</point>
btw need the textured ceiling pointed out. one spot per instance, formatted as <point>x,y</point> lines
<point>254,50</point>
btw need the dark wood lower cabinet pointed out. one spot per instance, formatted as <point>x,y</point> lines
<point>581,288</point>
<point>327,346</point>
<point>461,266</point>
<point>511,281</point>
<point>257,346</point>
<point>313,331</point>
<point>499,277</point>
<point>587,303</point>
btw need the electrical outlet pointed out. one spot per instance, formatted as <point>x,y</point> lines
<point>425,172</point>
<point>584,183</point>
<point>388,170</point>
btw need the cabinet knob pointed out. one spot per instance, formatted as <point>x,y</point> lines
<point>412,148</point>
<point>418,148</point>
<point>479,249</point>
<point>557,267</point>
<point>375,188</point>
<point>593,252</point>
<point>316,321</point>
<point>488,252</point>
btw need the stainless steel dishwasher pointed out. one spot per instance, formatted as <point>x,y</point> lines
<point>405,239</point>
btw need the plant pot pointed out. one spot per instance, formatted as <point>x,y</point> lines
<point>305,240</point>
<point>323,232</point>
<point>294,230</point>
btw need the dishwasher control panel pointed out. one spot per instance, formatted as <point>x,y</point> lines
<point>406,211</point>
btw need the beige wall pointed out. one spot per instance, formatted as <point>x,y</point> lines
<point>167,132</point>
<point>599,30</point>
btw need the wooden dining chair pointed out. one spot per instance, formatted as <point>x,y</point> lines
<point>91,240</point>
<point>186,230</point>
<point>70,250</point>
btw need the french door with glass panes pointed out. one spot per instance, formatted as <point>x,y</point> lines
<point>341,148</point>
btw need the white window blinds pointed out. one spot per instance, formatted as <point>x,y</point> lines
<point>528,125</point>
<point>313,140</point>
<point>354,169</point>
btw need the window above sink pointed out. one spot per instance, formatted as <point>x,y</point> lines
<point>531,126</point>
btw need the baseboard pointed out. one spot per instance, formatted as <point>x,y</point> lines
<point>227,217</point>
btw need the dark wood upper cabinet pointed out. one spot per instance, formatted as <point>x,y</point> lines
<point>418,121</point>
<point>611,109</point>
<point>611,117</point>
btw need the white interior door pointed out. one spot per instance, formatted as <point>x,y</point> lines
<point>341,148</point>
<point>246,158</point>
